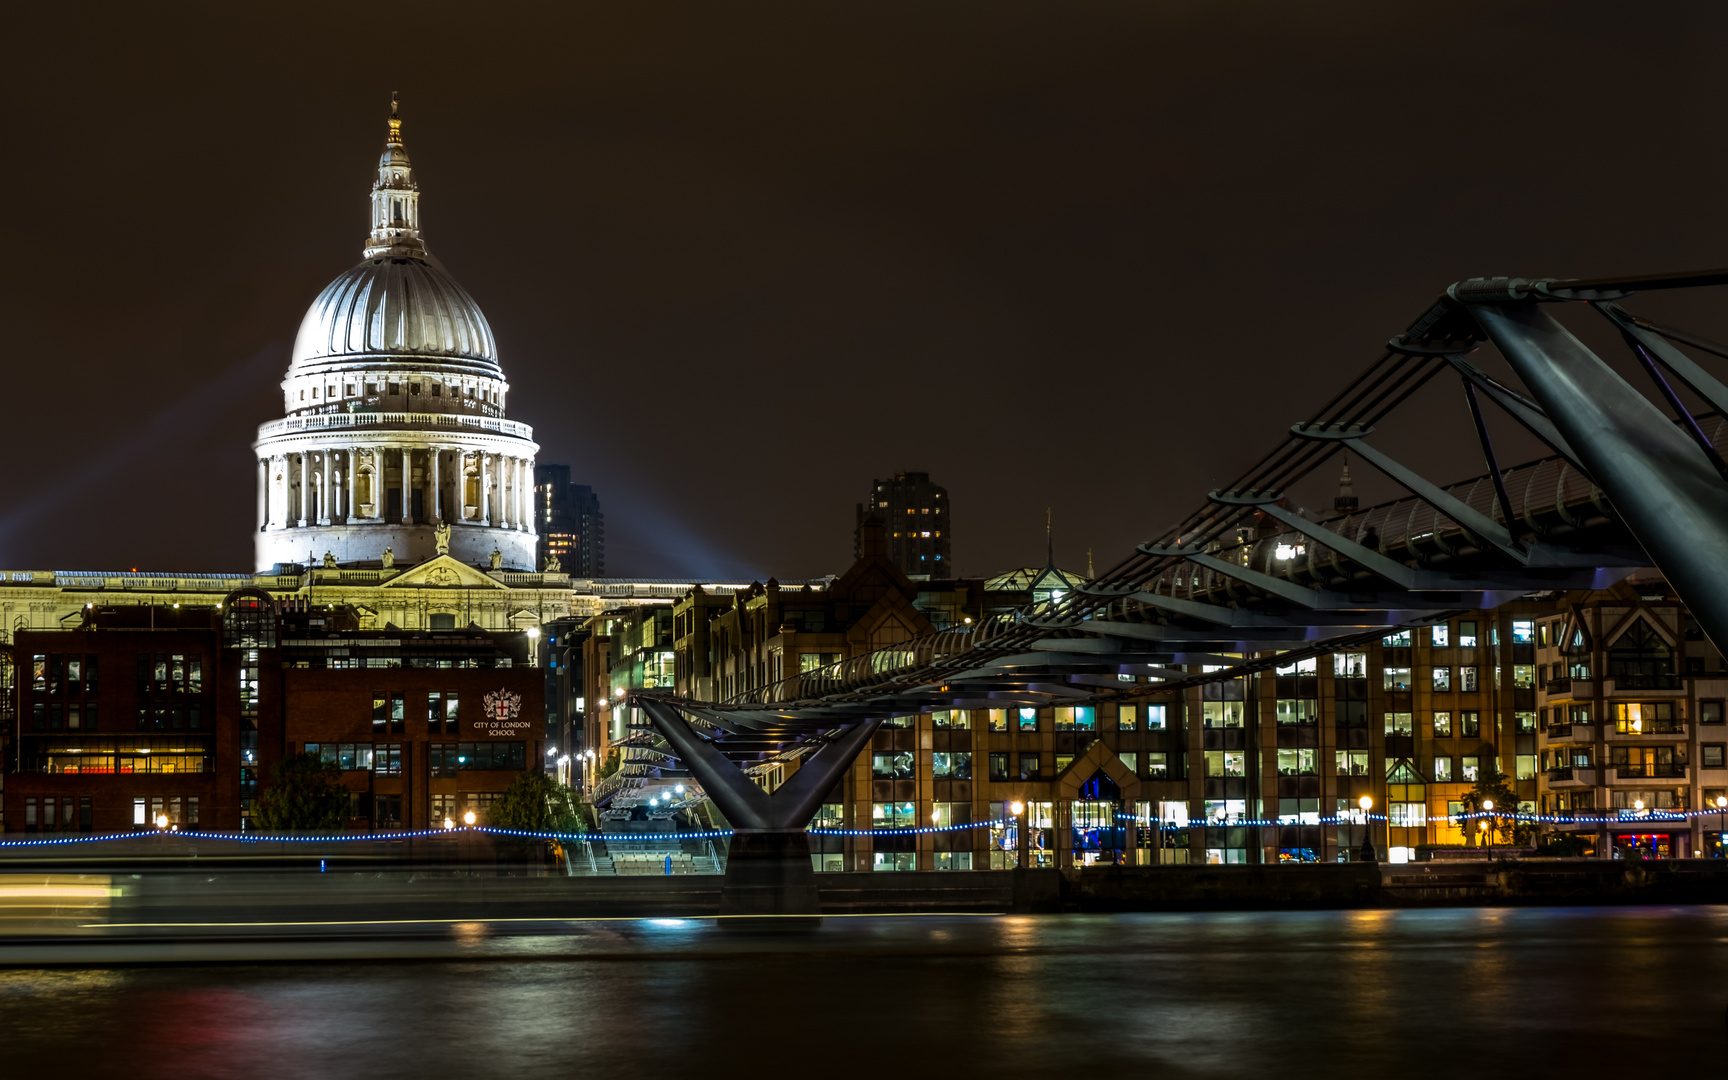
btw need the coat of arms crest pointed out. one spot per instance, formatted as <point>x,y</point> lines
<point>501,705</point>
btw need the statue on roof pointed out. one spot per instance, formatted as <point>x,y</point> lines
<point>441,537</point>
<point>389,559</point>
<point>329,561</point>
<point>552,564</point>
<point>497,558</point>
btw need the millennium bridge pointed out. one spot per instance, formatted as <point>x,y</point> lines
<point>1247,582</point>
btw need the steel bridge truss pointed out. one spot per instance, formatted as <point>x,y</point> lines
<point>1246,582</point>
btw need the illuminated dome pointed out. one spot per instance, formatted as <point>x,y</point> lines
<point>389,307</point>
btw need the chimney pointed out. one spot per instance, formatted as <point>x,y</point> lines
<point>872,538</point>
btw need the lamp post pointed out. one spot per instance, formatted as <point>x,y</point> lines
<point>1366,802</point>
<point>468,819</point>
<point>1488,808</point>
<point>1482,826</point>
<point>1017,808</point>
<point>1721,817</point>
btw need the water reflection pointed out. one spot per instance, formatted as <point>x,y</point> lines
<point>1268,995</point>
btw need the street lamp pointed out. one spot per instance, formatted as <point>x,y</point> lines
<point>1017,808</point>
<point>1487,837</point>
<point>1721,817</point>
<point>161,821</point>
<point>448,824</point>
<point>1488,808</point>
<point>1366,802</point>
<point>468,819</point>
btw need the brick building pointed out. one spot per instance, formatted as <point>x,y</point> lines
<point>147,711</point>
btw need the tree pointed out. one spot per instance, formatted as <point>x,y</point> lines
<point>609,766</point>
<point>304,795</point>
<point>1564,845</point>
<point>534,802</point>
<point>1492,785</point>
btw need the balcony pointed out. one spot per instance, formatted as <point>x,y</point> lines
<point>1575,733</point>
<point>1570,689</point>
<point>373,419</point>
<point>1657,815</point>
<point>1647,728</point>
<point>1674,771</point>
<point>1572,776</point>
<point>1626,683</point>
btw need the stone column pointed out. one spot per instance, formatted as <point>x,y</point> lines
<point>280,510</point>
<point>485,488</point>
<point>503,491</point>
<point>437,483</point>
<point>324,496</point>
<point>521,499</point>
<point>407,487</point>
<point>528,494</point>
<point>263,494</point>
<point>352,479</point>
<point>524,504</point>
<point>305,490</point>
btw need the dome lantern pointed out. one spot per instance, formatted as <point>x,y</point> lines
<point>395,200</point>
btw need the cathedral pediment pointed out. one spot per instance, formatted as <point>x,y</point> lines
<point>443,572</point>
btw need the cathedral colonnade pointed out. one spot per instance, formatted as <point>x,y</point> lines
<point>357,495</point>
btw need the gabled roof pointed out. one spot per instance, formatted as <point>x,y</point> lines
<point>443,572</point>
<point>1404,773</point>
<point>1033,577</point>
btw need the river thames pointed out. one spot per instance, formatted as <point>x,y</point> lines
<point>1442,993</point>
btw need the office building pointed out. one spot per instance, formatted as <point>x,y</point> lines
<point>918,521</point>
<point>571,528</point>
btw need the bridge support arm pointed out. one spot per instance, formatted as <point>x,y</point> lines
<point>768,868</point>
<point>1479,525</point>
<point>739,798</point>
<point>795,802</point>
<point>1660,482</point>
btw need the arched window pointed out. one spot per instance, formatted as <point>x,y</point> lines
<point>1640,660</point>
<point>1576,649</point>
<point>248,621</point>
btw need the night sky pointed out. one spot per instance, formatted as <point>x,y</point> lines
<point>741,259</point>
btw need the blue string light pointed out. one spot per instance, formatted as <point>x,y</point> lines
<point>1623,817</point>
<point>609,837</point>
<point>71,839</point>
<point>305,838</point>
<point>910,831</point>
